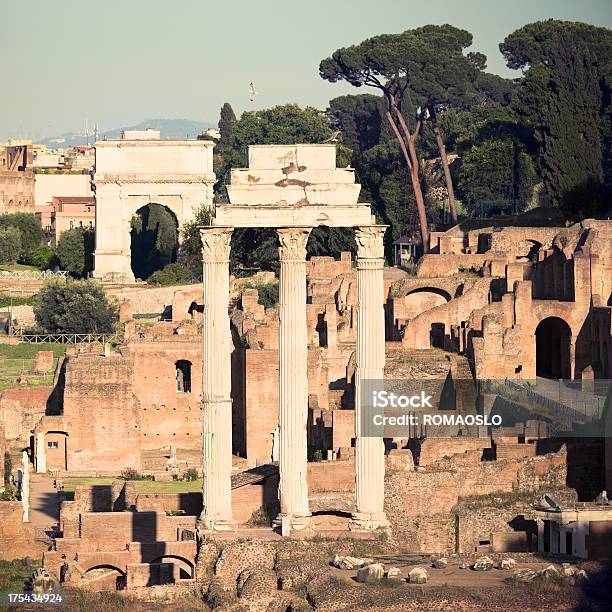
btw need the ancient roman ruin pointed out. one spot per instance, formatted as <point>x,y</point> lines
<point>265,402</point>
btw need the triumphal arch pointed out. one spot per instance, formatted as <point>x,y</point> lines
<point>293,189</point>
<point>139,170</point>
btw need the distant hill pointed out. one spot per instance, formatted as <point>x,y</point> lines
<point>169,128</point>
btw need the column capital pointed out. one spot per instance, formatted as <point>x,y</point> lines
<point>216,243</point>
<point>370,241</point>
<point>293,243</point>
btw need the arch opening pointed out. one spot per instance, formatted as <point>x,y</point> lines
<point>185,567</point>
<point>553,356</point>
<point>154,239</point>
<point>183,376</point>
<point>104,577</point>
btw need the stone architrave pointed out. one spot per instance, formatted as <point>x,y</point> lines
<point>293,381</point>
<point>25,486</point>
<point>369,451</point>
<point>216,383</point>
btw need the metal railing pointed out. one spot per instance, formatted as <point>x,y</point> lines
<point>33,274</point>
<point>65,338</point>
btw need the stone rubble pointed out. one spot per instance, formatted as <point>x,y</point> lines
<point>483,564</point>
<point>371,573</point>
<point>418,575</point>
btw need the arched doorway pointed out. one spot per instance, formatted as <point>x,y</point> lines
<point>553,339</point>
<point>105,578</point>
<point>154,239</point>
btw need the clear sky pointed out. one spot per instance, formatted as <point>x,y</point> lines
<point>125,61</point>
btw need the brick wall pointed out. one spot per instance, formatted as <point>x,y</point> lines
<point>16,537</point>
<point>434,449</point>
<point>20,409</point>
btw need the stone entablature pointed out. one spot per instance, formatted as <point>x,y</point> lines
<point>290,186</point>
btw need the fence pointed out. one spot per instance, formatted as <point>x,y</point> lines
<point>34,274</point>
<point>65,338</point>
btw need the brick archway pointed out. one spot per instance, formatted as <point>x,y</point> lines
<point>185,566</point>
<point>553,338</point>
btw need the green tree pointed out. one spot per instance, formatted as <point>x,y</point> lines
<point>31,231</point>
<point>42,257</point>
<point>190,250</point>
<point>172,274</point>
<point>495,176</point>
<point>565,96</point>
<point>75,251</point>
<point>227,121</point>
<point>154,239</point>
<point>417,69</point>
<point>286,124</point>
<point>359,119</point>
<point>10,244</point>
<point>75,308</point>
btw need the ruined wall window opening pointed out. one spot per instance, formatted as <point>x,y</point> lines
<point>51,444</point>
<point>183,376</point>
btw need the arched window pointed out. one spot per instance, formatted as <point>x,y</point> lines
<point>183,376</point>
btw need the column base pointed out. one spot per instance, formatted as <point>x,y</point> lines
<point>207,525</point>
<point>294,525</point>
<point>368,521</point>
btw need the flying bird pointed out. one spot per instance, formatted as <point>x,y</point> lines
<point>252,92</point>
<point>333,137</point>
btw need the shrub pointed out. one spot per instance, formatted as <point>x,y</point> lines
<point>10,244</point>
<point>172,274</point>
<point>132,474</point>
<point>316,455</point>
<point>42,257</point>
<point>190,475</point>
<point>75,308</point>
<point>268,293</point>
<point>75,251</point>
<point>31,230</point>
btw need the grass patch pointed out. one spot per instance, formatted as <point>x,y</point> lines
<point>7,300</point>
<point>17,267</point>
<point>174,486</point>
<point>14,574</point>
<point>16,359</point>
<point>27,351</point>
<point>142,486</point>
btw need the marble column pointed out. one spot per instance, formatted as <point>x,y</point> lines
<point>563,540</point>
<point>540,524</point>
<point>369,451</point>
<point>216,383</point>
<point>293,382</point>
<point>41,453</point>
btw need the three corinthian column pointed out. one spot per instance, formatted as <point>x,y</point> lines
<point>293,381</point>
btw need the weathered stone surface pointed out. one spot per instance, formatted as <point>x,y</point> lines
<point>371,573</point>
<point>418,575</point>
<point>549,573</point>
<point>393,573</point>
<point>348,562</point>
<point>524,575</point>
<point>506,564</point>
<point>256,583</point>
<point>440,563</point>
<point>483,564</point>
